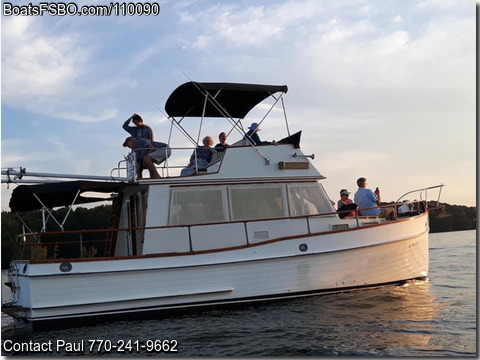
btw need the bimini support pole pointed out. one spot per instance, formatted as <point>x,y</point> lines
<point>271,108</point>
<point>178,126</point>
<point>222,111</point>
<point>44,208</point>
<point>285,115</point>
<point>201,121</point>
<point>24,225</point>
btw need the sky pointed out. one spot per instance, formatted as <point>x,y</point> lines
<point>381,89</point>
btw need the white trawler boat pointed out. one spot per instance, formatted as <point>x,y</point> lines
<point>255,224</point>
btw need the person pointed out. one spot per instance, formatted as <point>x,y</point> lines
<point>345,204</point>
<point>201,156</point>
<point>220,147</point>
<point>366,198</point>
<point>148,153</point>
<point>140,130</point>
<point>252,135</point>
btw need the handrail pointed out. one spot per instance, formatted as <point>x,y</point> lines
<point>165,166</point>
<point>90,231</point>
<point>22,238</point>
<point>425,189</point>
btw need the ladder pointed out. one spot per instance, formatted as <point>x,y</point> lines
<point>113,225</point>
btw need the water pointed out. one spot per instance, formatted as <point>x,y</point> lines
<point>422,318</point>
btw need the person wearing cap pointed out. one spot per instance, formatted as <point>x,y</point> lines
<point>140,130</point>
<point>345,204</point>
<point>253,137</point>
<point>148,153</point>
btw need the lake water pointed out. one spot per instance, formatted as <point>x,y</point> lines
<point>422,318</point>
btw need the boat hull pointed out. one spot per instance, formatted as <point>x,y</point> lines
<point>285,268</point>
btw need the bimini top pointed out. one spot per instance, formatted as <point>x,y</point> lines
<point>236,100</point>
<point>58,194</point>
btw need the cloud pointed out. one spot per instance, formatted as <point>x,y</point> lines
<point>52,70</point>
<point>390,44</point>
<point>36,65</point>
<point>251,26</point>
<point>440,4</point>
<point>397,19</point>
<point>105,115</point>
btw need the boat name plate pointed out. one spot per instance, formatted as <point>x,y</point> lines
<point>289,165</point>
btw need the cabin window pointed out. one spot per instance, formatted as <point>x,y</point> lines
<point>257,202</point>
<point>307,199</point>
<point>197,206</point>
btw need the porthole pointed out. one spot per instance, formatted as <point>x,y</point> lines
<point>303,247</point>
<point>65,267</point>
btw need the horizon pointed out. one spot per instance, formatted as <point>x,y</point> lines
<point>382,90</point>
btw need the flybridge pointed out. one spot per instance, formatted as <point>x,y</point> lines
<point>231,101</point>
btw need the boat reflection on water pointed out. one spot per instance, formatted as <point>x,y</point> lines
<point>383,319</point>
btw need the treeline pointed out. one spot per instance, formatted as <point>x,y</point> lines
<point>453,218</point>
<point>449,218</point>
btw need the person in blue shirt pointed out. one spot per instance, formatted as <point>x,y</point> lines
<point>369,200</point>
<point>140,130</point>
<point>200,158</point>
<point>148,153</point>
<point>253,137</point>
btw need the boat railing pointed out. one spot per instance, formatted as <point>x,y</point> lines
<point>95,243</point>
<point>423,194</point>
<point>179,159</point>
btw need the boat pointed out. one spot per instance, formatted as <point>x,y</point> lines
<point>253,225</point>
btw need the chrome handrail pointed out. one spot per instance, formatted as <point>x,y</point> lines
<point>422,190</point>
<point>165,166</point>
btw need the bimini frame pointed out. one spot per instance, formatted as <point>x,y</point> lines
<point>213,100</point>
<point>21,176</point>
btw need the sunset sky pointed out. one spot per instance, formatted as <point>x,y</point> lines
<point>381,89</point>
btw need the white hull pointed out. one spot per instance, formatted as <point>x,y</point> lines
<point>373,255</point>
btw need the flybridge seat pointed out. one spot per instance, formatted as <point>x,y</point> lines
<point>217,157</point>
<point>241,142</point>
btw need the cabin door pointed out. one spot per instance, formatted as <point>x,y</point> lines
<point>136,222</point>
